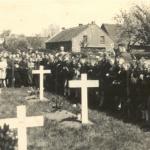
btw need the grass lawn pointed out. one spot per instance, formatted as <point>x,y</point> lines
<point>107,133</point>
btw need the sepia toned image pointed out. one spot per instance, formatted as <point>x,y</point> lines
<point>74,74</point>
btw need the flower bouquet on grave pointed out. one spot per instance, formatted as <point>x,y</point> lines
<point>32,93</point>
<point>77,111</point>
<point>8,138</point>
<point>57,103</point>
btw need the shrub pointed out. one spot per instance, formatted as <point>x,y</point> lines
<point>8,138</point>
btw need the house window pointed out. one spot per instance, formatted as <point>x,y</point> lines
<point>85,38</point>
<point>102,39</point>
<point>84,41</point>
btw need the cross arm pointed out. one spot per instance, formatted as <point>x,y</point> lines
<point>35,71</point>
<point>75,84</point>
<point>47,71</point>
<point>92,83</point>
<point>34,121</point>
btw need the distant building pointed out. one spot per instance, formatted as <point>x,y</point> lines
<point>113,31</point>
<point>89,36</point>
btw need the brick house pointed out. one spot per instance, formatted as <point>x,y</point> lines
<point>89,36</point>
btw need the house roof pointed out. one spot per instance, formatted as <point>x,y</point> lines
<point>113,30</point>
<point>67,34</point>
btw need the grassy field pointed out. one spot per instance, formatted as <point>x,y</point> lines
<point>107,133</point>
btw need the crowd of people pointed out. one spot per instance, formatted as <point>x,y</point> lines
<point>124,80</point>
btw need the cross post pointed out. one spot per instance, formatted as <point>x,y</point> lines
<point>41,72</point>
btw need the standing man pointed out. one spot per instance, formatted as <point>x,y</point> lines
<point>124,75</point>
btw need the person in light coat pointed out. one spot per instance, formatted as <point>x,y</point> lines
<point>3,67</point>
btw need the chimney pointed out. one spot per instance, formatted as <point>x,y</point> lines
<point>93,22</point>
<point>63,28</point>
<point>80,24</point>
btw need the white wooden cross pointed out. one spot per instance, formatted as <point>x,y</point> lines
<point>84,84</point>
<point>41,72</point>
<point>21,123</point>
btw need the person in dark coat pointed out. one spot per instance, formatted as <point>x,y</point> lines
<point>9,72</point>
<point>23,72</point>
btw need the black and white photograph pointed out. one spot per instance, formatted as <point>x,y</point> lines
<point>74,74</point>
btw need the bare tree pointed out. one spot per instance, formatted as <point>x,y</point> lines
<point>36,42</point>
<point>5,34</point>
<point>17,42</point>
<point>50,31</point>
<point>135,25</point>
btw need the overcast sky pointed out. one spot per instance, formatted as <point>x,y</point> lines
<point>32,16</point>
